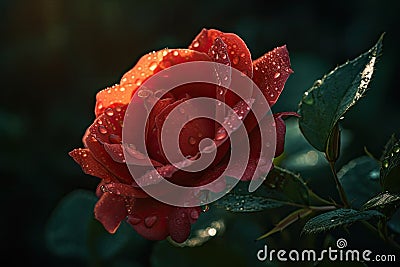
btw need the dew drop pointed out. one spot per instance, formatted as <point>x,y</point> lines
<point>396,149</point>
<point>153,66</point>
<point>205,208</point>
<point>194,214</point>
<point>309,100</point>
<point>175,53</point>
<point>109,112</point>
<point>192,140</point>
<point>277,75</point>
<point>114,139</point>
<point>196,44</point>
<point>131,149</point>
<point>103,189</point>
<point>102,129</point>
<point>122,89</point>
<point>138,82</point>
<point>100,106</point>
<point>385,164</point>
<point>221,134</point>
<point>144,93</point>
<point>235,60</point>
<point>118,109</point>
<point>150,221</point>
<point>134,220</point>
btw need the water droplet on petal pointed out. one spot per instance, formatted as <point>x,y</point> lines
<point>175,53</point>
<point>396,149</point>
<point>114,139</point>
<point>196,44</point>
<point>194,214</point>
<point>277,75</point>
<point>131,149</point>
<point>192,140</point>
<point>109,112</point>
<point>138,82</point>
<point>134,220</point>
<point>235,60</point>
<point>150,221</point>
<point>144,93</point>
<point>221,134</point>
<point>102,129</point>
<point>153,66</point>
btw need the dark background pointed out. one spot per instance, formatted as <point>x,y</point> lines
<point>55,56</point>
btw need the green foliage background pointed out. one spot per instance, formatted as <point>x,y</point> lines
<point>55,55</point>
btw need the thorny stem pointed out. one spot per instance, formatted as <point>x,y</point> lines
<point>317,197</point>
<point>330,207</point>
<point>339,187</point>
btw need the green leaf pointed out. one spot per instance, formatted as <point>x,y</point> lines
<point>339,217</point>
<point>68,226</point>
<point>385,202</point>
<point>73,232</point>
<point>327,101</point>
<point>390,166</point>
<point>287,186</point>
<point>281,187</point>
<point>288,220</point>
<point>360,180</point>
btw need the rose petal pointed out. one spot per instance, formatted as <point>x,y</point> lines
<point>204,40</point>
<point>281,130</point>
<point>110,210</point>
<point>124,190</point>
<point>89,165</point>
<point>150,218</point>
<point>116,94</point>
<point>102,131</point>
<point>179,225</point>
<point>147,66</point>
<point>239,54</point>
<point>271,72</point>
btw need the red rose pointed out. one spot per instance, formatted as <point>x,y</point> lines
<point>120,198</point>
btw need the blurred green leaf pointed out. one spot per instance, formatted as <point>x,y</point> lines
<point>212,254</point>
<point>326,102</point>
<point>339,217</point>
<point>287,185</point>
<point>385,202</point>
<point>360,180</point>
<point>281,187</point>
<point>68,226</point>
<point>390,166</point>
<point>73,232</point>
